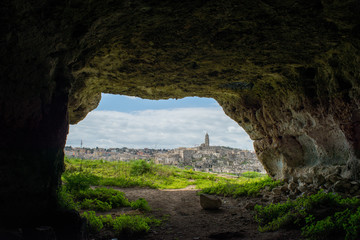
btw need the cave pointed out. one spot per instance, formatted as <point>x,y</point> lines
<point>286,71</point>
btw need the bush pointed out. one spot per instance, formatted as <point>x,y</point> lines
<point>320,216</point>
<point>141,204</point>
<point>123,224</point>
<point>130,225</point>
<point>94,222</point>
<point>140,167</point>
<point>241,189</point>
<point>101,198</point>
<point>95,204</point>
<point>79,181</point>
<point>66,201</point>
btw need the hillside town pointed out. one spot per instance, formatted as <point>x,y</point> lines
<point>204,158</point>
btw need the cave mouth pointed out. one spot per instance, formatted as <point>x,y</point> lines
<point>127,121</point>
<point>287,73</point>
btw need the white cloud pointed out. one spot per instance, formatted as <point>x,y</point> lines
<point>168,128</point>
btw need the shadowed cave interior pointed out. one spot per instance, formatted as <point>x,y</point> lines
<point>286,71</point>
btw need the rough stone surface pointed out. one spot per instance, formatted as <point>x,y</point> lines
<point>286,71</point>
<point>210,202</point>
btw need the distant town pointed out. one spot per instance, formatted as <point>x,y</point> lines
<point>202,158</point>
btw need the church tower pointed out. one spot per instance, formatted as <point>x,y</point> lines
<point>207,141</point>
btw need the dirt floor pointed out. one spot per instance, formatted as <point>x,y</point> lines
<point>187,220</point>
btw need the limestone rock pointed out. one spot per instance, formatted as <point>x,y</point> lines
<point>287,73</point>
<point>319,180</point>
<point>292,186</point>
<point>277,191</point>
<point>302,188</point>
<point>333,178</point>
<point>210,202</point>
<point>284,189</point>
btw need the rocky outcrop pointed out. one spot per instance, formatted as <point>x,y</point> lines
<point>286,71</point>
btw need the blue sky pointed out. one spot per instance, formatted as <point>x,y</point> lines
<point>122,121</point>
<point>120,103</point>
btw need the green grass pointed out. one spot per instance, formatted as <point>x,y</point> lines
<point>80,175</point>
<point>77,194</point>
<point>319,216</point>
<point>121,225</point>
<point>133,224</point>
<point>250,187</point>
<point>140,173</point>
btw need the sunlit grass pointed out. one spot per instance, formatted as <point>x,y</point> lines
<point>140,173</point>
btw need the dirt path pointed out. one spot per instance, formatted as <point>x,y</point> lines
<point>188,221</point>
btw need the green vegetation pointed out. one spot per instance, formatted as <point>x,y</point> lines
<point>140,167</point>
<point>251,174</point>
<point>246,188</point>
<point>81,177</point>
<point>121,225</point>
<point>141,204</point>
<point>76,193</point>
<point>320,216</point>
<point>142,173</point>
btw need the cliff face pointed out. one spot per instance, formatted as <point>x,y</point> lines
<point>286,71</point>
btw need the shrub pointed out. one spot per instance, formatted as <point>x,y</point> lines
<point>140,167</point>
<point>123,224</point>
<point>130,224</point>
<point>111,197</point>
<point>95,204</point>
<point>66,201</point>
<point>141,204</point>
<point>94,223</point>
<point>79,181</point>
<point>241,189</point>
<point>320,216</point>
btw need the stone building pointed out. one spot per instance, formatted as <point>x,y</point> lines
<point>212,158</point>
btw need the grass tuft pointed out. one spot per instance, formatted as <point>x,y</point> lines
<point>319,216</point>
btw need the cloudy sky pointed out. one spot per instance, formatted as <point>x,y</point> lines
<point>121,121</point>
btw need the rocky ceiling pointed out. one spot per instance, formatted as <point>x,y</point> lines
<point>287,71</point>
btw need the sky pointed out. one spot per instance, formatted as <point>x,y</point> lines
<point>122,121</point>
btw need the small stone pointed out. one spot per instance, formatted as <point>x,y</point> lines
<point>295,179</point>
<point>302,188</point>
<point>301,179</point>
<point>209,202</point>
<point>276,191</point>
<point>309,179</point>
<point>319,180</point>
<point>292,186</point>
<point>333,178</point>
<point>284,189</point>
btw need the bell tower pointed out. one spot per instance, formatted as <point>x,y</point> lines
<point>207,141</point>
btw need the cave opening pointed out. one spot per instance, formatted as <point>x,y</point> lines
<point>126,121</point>
<point>287,73</point>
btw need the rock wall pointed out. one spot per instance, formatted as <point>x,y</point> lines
<point>306,128</point>
<point>286,71</point>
